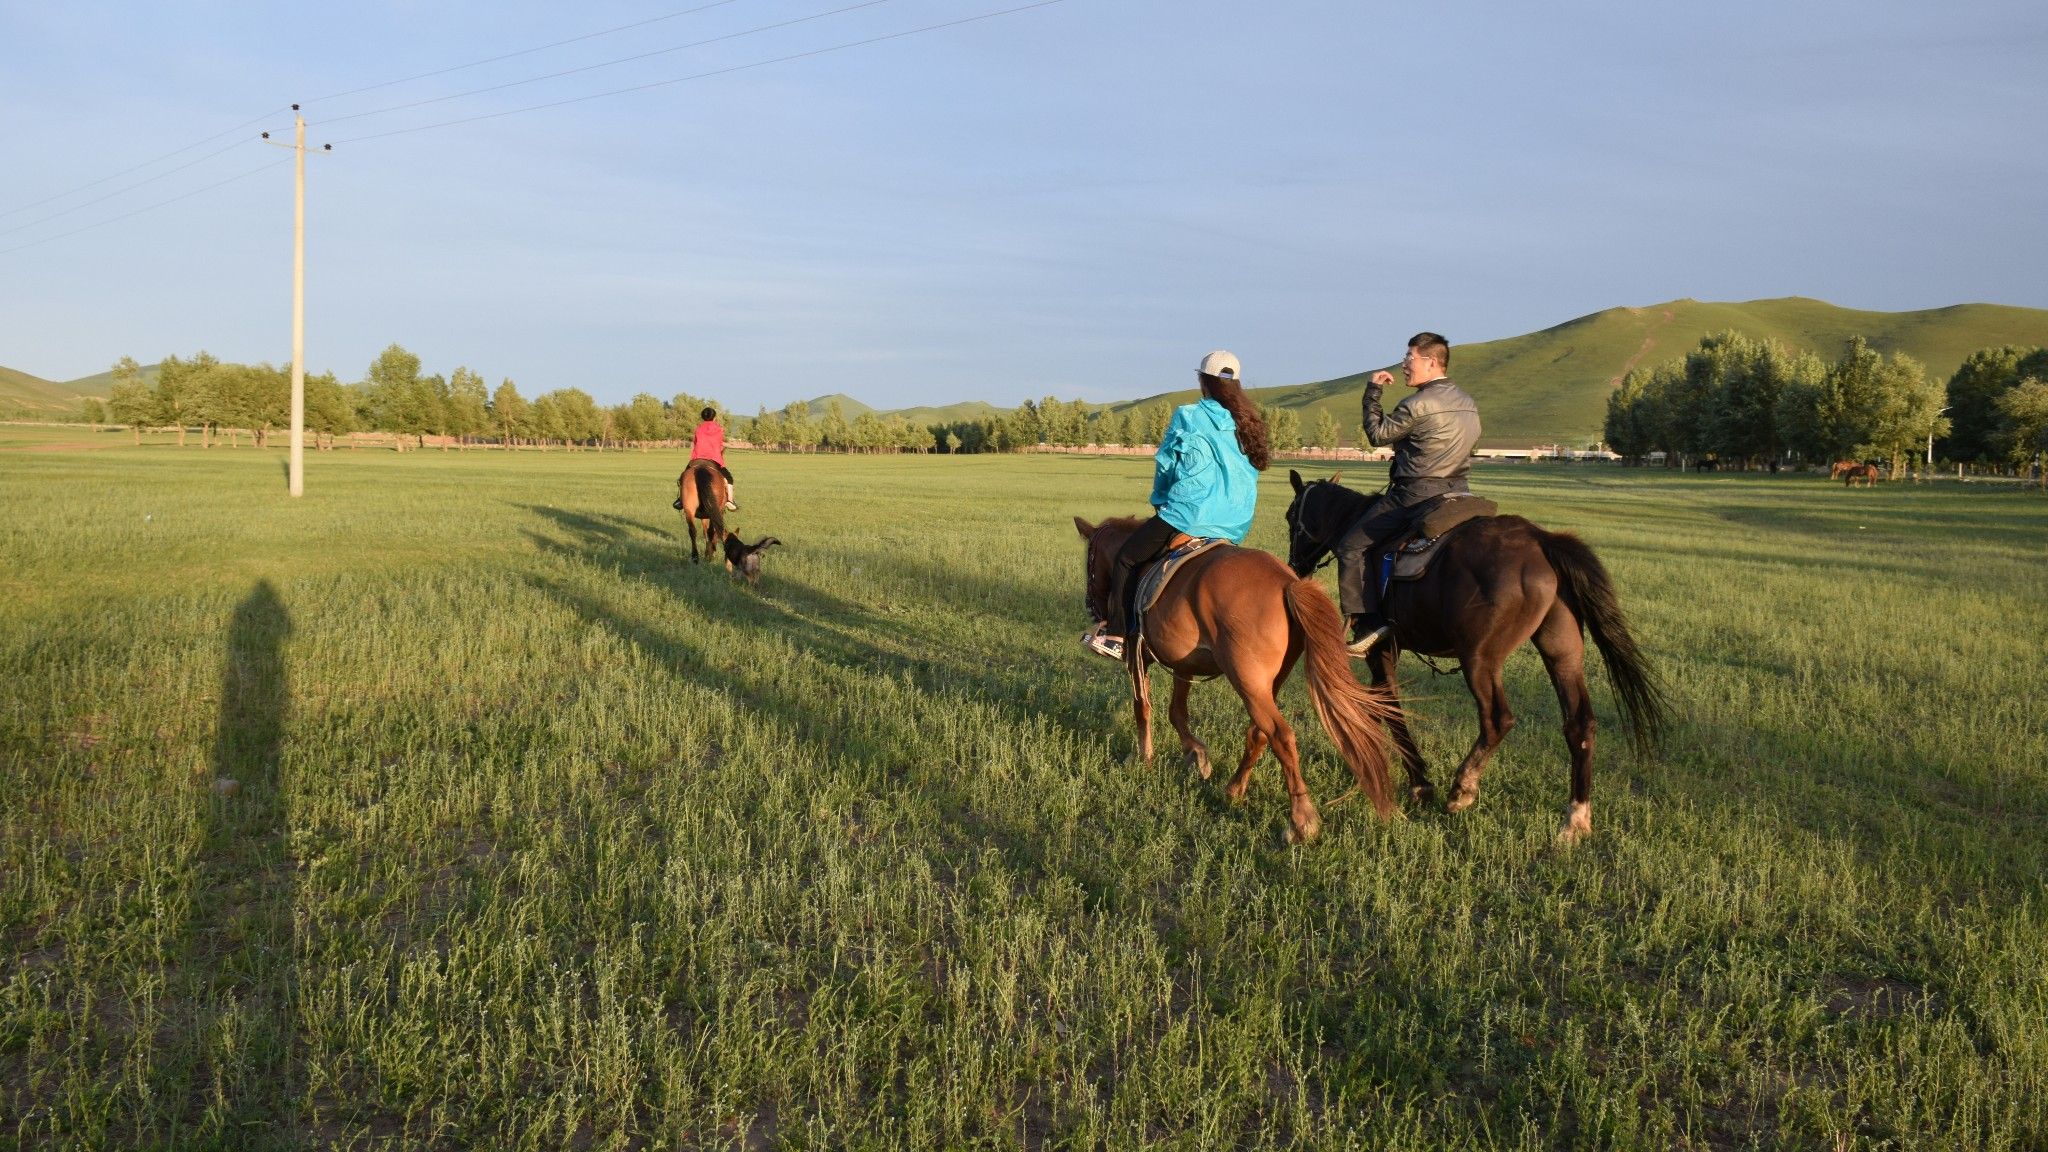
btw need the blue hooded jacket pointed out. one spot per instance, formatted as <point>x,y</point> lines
<point>1203,484</point>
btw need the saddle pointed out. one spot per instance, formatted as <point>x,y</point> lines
<point>1408,556</point>
<point>1153,580</point>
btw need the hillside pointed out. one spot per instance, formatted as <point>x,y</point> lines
<point>101,384</point>
<point>21,392</point>
<point>1551,386</point>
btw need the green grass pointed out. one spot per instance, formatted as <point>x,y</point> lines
<point>545,838</point>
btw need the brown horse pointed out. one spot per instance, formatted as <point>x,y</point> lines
<point>702,498</point>
<point>1496,584</point>
<point>1851,471</point>
<point>1237,613</point>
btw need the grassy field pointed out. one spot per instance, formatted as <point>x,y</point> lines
<point>542,838</point>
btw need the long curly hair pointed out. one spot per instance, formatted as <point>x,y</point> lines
<point>1251,427</point>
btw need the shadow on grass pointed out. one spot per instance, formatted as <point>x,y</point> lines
<point>236,972</point>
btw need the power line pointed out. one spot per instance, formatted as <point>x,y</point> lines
<point>146,163</point>
<point>121,191</point>
<point>705,75</point>
<point>604,64</point>
<point>150,207</point>
<point>521,52</point>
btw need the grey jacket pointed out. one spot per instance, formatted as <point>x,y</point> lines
<point>1433,432</point>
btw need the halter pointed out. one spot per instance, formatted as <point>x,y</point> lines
<point>1321,557</point>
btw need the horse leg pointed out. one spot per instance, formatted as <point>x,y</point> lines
<point>1141,704</point>
<point>1194,753</point>
<point>1254,747</point>
<point>1384,659</point>
<point>1270,728</point>
<point>1496,719</point>
<point>690,522</point>
<point>1564,654</point>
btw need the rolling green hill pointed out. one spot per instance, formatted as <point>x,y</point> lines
<point>101,384</point>
<point>21,392</point>
<point>1551,386</point>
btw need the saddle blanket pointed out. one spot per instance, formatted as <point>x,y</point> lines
<point>1410,559</point>
<point>1154,579</point>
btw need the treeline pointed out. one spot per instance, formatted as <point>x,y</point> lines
<point>1049,422</point>
<point>394,396</point>
<point>1741,400</point>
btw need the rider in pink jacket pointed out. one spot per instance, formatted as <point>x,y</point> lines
<point>708,443</point>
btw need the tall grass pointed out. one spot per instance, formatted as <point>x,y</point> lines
<point>541,837</point>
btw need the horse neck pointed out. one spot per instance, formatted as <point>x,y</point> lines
<point>1337,507</point>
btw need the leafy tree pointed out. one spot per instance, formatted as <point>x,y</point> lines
<point>509,411</point>
<point>1326,433</point>
<point>93,410</point>
<point>1897,404</point>
<point>178,393</point>
<point>468,409</point>
<point>1973,393</point>
<point>647,418</point>
<point>1283,428</point>
<point>327,407</point>
<point>130,402</point>
<point>2023,424</point>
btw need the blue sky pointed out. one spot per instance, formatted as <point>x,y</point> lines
<point>1075,200</point>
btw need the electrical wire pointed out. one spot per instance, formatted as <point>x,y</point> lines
<point>603,64</point>
<point>703,75</point>
<point>121,191</point>
<point>150,207</point>
<point>251,122</point>
<point>521,52</point>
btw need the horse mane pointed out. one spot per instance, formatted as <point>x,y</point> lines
<point>1127,523</point>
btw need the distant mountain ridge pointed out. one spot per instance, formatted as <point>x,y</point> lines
<point>1543,387</point>
<point>1551,386</point>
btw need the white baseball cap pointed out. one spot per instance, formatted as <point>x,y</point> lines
<point>1221,364</point>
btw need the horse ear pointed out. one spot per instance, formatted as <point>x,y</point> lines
<point>1336,476</point>
<point>1294,478</point>
<point>1085,528</point>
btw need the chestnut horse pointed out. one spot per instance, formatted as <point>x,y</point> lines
<point>1851,471</point>
<point>1496,584</point>
<point>1238,613</point>
<point>702,499</point>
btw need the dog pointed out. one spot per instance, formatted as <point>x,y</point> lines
<point>745,559</point>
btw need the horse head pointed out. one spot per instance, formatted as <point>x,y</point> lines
<point>1103,541</point>
<point>1311,529</point>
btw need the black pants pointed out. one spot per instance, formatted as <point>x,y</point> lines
<point>1357,589</point>
<point>1144,546</point>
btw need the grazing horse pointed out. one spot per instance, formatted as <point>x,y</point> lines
<point>700,495</point>
<point>1851,471</point>
<point>1495,584</point>
<point>1237,613</point>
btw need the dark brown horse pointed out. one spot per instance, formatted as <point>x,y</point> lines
<point>1496,584</point>
<point>1238,613</point>
<point>1851,471</point>
<point>700,495</point>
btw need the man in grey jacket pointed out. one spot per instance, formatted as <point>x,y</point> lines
<point>1433,431</point>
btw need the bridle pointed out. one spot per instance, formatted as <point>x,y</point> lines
<point>1321,557</point>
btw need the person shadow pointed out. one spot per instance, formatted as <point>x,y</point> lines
<point>236,973</point>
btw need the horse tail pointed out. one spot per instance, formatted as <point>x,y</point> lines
<point>1351,712</point>
<point>708,501</point>
<point>1589,593</point>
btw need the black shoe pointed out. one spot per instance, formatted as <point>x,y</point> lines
<point>678,505</point>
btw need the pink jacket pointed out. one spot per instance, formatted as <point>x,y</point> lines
<point>708,443</point>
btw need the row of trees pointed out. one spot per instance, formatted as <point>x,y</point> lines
<point>1739,398</point>
<point>393,396</point>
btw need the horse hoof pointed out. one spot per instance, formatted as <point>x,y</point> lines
<point>1297,836</point>
<point>1577,826</point>
<point>1198,760</point>
<point>1424,794</point>
<point>1462,800</point>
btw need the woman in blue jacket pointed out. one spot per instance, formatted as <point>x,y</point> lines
<point>1205,483</point>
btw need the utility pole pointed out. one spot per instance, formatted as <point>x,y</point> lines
<point>297,468</point>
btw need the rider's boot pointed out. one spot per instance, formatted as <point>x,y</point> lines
<point>731,490</point>
<point>1367,630</point>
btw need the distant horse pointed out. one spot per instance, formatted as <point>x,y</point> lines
<point>700,495</point>
<point>1851,471</point>
<point>1495,584</point>
<point>1237,613</point>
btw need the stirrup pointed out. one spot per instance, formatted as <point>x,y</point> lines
<point>1363,646</point>
<point>731,507</point>
<point>1099,641</point>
